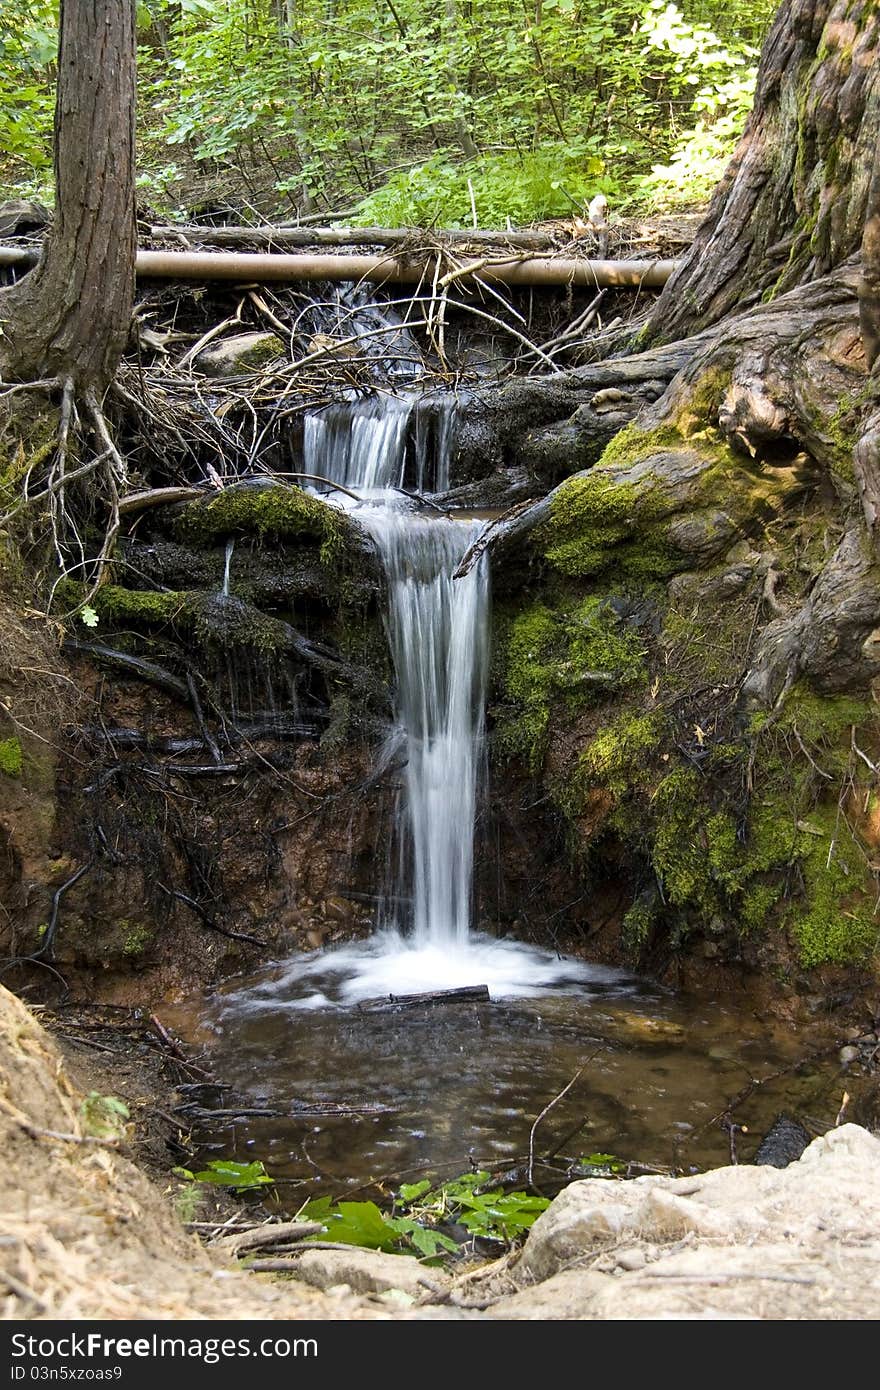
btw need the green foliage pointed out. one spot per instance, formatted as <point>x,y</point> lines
<point>104,1117</point>
<point>10,757</point>
<point>223,1172</point>
<point>523,187</point>
<point>395,107</point>
<point>27,102</point>
<point>599,1166</point>
<point>418,1210</point>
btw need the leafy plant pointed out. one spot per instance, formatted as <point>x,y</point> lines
<point>599,1166</point>
<point>241,1177</point>
<point>419,1209</point>
<point>104,1117</point>
<point>261,105</point>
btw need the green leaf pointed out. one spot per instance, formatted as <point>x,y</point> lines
<point>228,1173</point>
<point>410,1190</point>
<point>88,615</point>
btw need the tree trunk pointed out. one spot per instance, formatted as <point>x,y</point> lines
<point>793,203</point>
<point>70,317</point>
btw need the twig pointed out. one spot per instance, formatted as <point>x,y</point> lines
<point>37,1132</point>
<point>547,1108</point>
<point>813,764</point>
<point>22,1290</point>
<point>189,357</point>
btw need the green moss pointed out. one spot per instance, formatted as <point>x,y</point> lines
<point>597,523</point>
<point>618,757</point>
<point>265,349</point>
<point>569,656</point>
<point>638,925</point>
<point>279,512</point>
<point>10,757</point>
<point>214,621</point>
<point>137,938</point>
<point>116,605</point>
<point>839,925</point>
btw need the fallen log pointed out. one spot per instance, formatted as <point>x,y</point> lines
<point>467,994</point>
<point>264,267</point>
<point>270,237</point>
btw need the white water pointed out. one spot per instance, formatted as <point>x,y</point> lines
<point>230,547</point>
<point>438,633</point>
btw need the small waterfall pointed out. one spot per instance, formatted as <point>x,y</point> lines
<point>381,442</point>
<point>438,633</point>
<point>438,628</point>
<point>359,443</point>
<point>230,547</point>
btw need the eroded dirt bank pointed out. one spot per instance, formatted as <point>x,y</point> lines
<point>87,1235</point>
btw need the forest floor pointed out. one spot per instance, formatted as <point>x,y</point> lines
<point>86,1233</point>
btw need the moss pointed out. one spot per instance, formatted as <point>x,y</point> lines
<point>570,656</point>
<point>619,755</point>
<point>638,925</point>
<point>137,938</point>
<point>593,524</point>
<point>279,512</point>
<point>839,925</point>
<point>10,757</point>
<point>116,605</point>
<point>265,349</point>
<point>215,621</point>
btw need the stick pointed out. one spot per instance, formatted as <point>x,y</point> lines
<point>547,1108</point>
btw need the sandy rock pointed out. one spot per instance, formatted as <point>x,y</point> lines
<point>835,1183</point>
<point>367,1271</point>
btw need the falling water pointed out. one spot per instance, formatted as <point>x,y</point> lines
<point>230,547</point>
<point>438,629</point>
<point>438,633</point>
<point>359,443</point>
<point>438,636</point>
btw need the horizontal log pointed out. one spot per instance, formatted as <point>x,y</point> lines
<point>467,994</point>
<point>272,237</point>
<point>259,267</point>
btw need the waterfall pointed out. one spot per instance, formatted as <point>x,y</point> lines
<point>438,635</point>
<point>230,547</point>
<point>359,443</point>
<point>438,628</point>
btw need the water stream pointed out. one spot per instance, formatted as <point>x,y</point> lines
<point>456,1085</point>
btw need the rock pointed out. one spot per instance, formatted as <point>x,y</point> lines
<point>19,216</point>
<point>847,1055</point>
<point>245,352</point>
<point>783,1143</point>
<point>632,1259</point>
<point>835,1185</point>
<point>367,1271</point>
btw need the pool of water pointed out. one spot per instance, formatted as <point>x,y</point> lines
<point>372,1094</point>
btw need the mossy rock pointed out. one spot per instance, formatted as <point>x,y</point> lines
<point>10,757</point>
<point>662,514</point>
<point>275,511</point>
<point>245,352</point>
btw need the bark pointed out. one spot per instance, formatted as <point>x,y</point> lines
<point>833,640</point>
<point>71,316</point>
<point>786,366</point>
<point>794,201</point>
